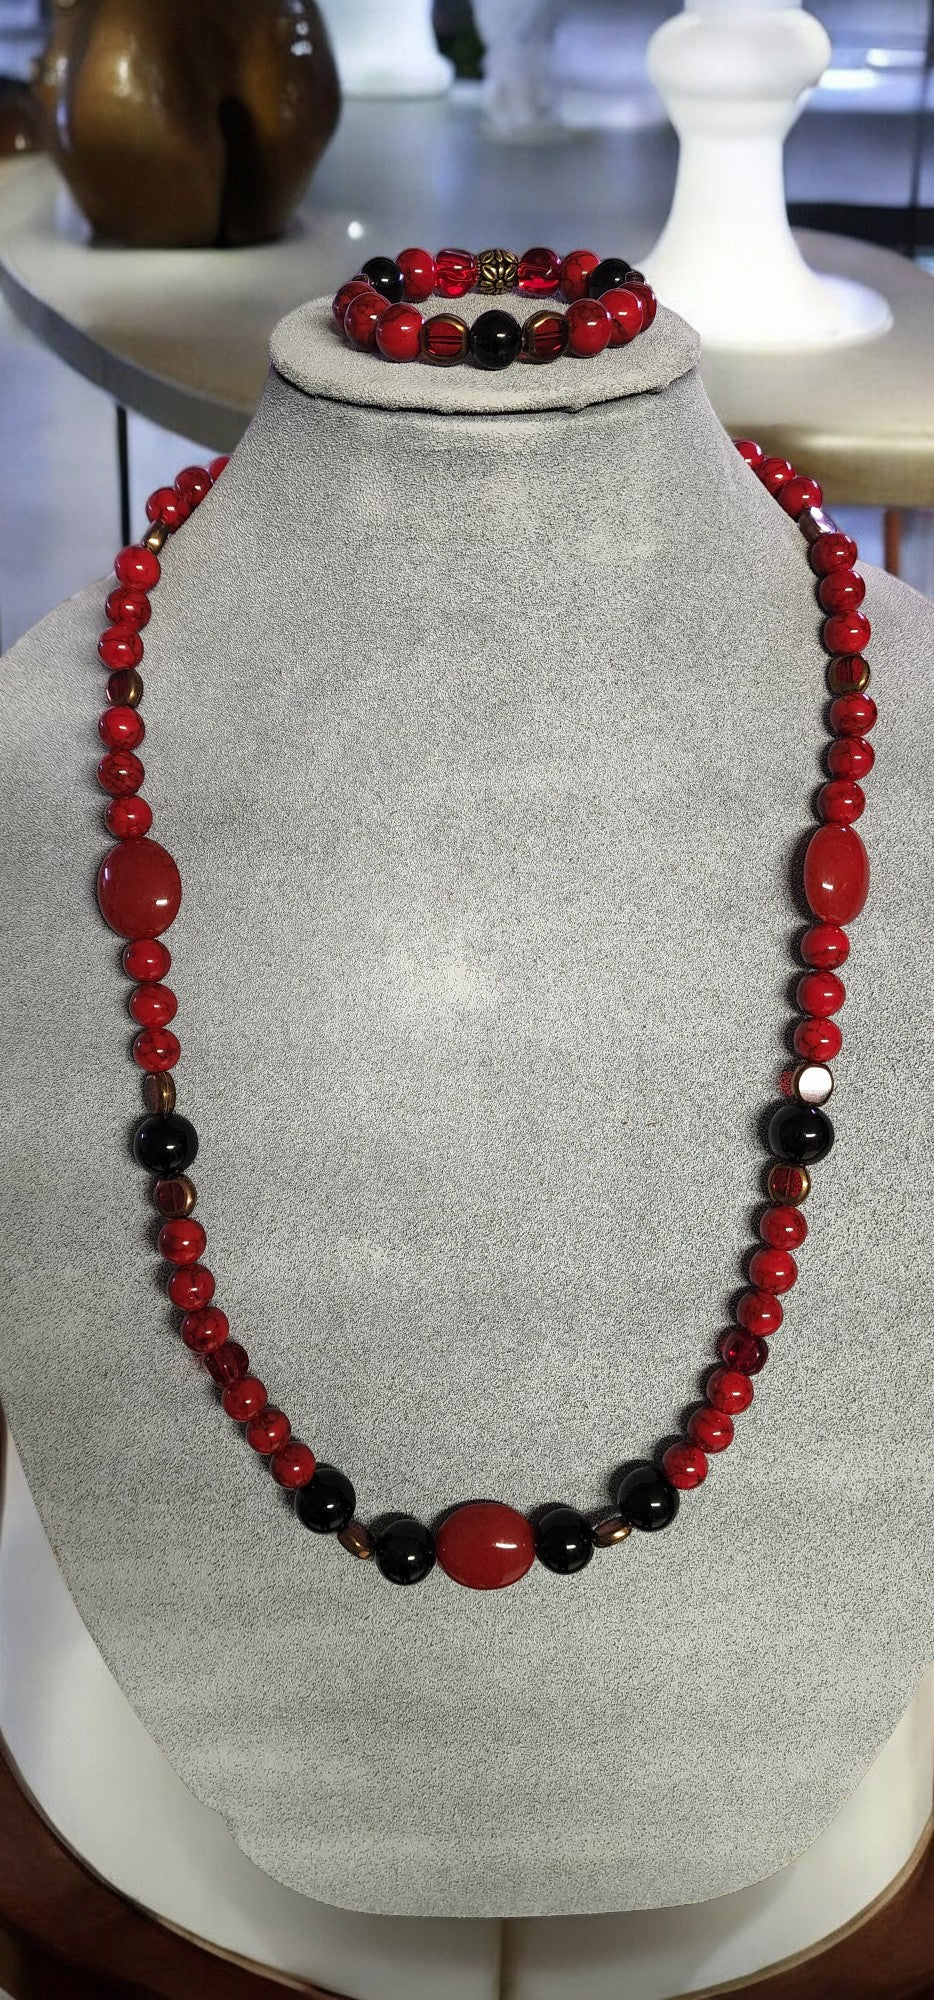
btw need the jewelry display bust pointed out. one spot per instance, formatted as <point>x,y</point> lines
<point>483,717</point>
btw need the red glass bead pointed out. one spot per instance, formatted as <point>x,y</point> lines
<point>729,1390</point>
<point>829,552</point>
<point>625,311</point>
<point>685,1465</point>
<point>120,773</point>
<point>121,728</point>
<point>544,336</point>
<point>775,473</point>
<point>746,1351</point>
<point>128,607</point>
<point>455,273</point>
<point>710,1428</point>
<point>294,1463</point>
<point>152,1005</point>
<point>146,958</point>
<point>589,327</point>
<point>647,301</point>
<point>128,818</point>
<point>836,869</point>
<point>848,673</point>
<point>787,1183</point>
<point>796,494</point>
<point>750,451</point>
<point>818,1040</point>
<point>191,1287</point>
<point>850,758</point>
<point>266,1432</point>
<point>574,272</point>
<point>445,338</point>
<point>759,1312</point>
<point>826,946</point>
<point>168,506</point>
<point>772,1270</point>
<point>124,688</point>
<point>853,714</point>
<point>193,484</point>
<point>139,889</point>
<point>783,1228</point>
<point>228,1363</point>
<point>841,590</point>
<point>156,1049</point>
<point>182,1241</point>
<point>205,1329</point>
<point>820,993</point>
<point>846,632</point>
<point>485,1545</point>
<point>218,465</point>
<point>539,272</point>
<point>353,289</point>
<point>420,273</point>
<point>120,646</point>
<point>842,801</point>
<point>245,1399</point>
<point>398,334</point>
<point>362,318</point>
<point>138,567</point>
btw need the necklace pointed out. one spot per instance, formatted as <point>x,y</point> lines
<point>486,1544</point>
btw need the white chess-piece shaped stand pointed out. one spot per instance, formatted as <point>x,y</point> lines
<point>384,50</point>
<point>520,92</point>
<point>733,77</point>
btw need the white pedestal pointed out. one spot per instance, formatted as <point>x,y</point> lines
<point>386,51</point>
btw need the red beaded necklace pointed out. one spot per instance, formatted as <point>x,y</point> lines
<point>487,1544</point>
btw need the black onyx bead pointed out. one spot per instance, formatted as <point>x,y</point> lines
<point>404,1549</point>
<point>165,1145</point>
<point>563,1540</point>
<point>612,272</point>
<point>326,1503</point>
<point>495,339</point>
<point>646,1499</point>
<point>385,277</point>
<point>801,1133</point>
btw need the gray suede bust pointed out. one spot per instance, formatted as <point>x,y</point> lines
<point>484,717</point>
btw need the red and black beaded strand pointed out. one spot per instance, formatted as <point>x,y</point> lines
<point>487,1544</point>
<point>377,311</point>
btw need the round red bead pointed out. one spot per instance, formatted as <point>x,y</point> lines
<point>266,1432</point>
<point>574,272</point>
<point>146,958</point>
<point>750,451</point>
<point>138,567</point>
<point>191,1287</point>
<point>775,473</point>
<point>205,1329</point>
<point>846,632</point>
<point>685,1465</point>
<point>729,1390</point>
<point>842,801</point>
<point>120,646</point>
<point>626,312</point>
<point>156,1049</point>
<point>353,289</point>
<point>826,946</point>
<point>455,273</point>
<point>796,494</point>
<point>647,300</point>
<point>139,889</point>
<point>782,1227</point>
<point>121,728</point>
<point>193,484</point>
<point>829,552</point>
<point>589,327</point>
<point>167,506</point>
<point>836,871</point>
<point>420,273</point>
<point>841,590</point>
<point>152,1004</point>
<point>362,318</point>
<point>245,1399</point>
<point>218,465</point>
<point>759,1312</point>
<point>182,1241</point>
<point>710,1428</point>
<point>850,757</point>
<point>820,993</point>
<point>294,1463</point>
<point>130,607</point>
<point>746,1351</point>
<point>228,1363</point>
<point>539,271</point>
<point>772,1270</point>
<point>120,773</point>
<point>818,1040</point>
<point>853,714</point>
<point>485,1545</point>
<point>128,818</point>
<point>398,333</point>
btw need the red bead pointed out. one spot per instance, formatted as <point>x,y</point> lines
<point>193,484</point>
<point>841,801</point>
<point>787,1183</point>
<point>772,1270</point>
<point>153,1005</point>
<point>574,272</point>
<point>539,272</point>
<point>820,993</point>
<point>836,869</point>
<point>759,1312</point>
<point>796,494</point>
<point>167,506</point>
<point>362,318</point>
<point>399,333</point>
<point>751,452</point>
<point>353,289</point>
<point>120,646</point>
<point>120,773</point>
<point>128,607</point>
<point>139,889</point>
<point>746,1351</point>
<point>137,567</point>
<point>128,818</point>
<point>485,1545</point>
<point>841,590</point>
<point>713,1429</point>
<point>647,301</point>
<point>192,1287</point>
<point>294,1463</point>
<point>625,311</point>
<point>146,958</point>
<point>156,1049</point>
<point>544,335</point>
<point>205,1329</point>
<point>728,1389</point>
<point>218,465</point>
<point>182,1241</point>
<point>589,327</point>
<point>420,273</point>
<point>445,338</point>
<point>455,273</point>
<point>826,946</point>
<point>848,673</point>
<point>850,758</point>
<point>228,1363</point>
<point>775,473</point>
<point>685,1465</point>
<point>121,728</point>
<point>782,1227</point>
<point>846,632</point>
<point>818,1040</point>
<point>853,714</point>
<point>266,1432</point>
<point>829,552</point>
<point>245,1399</point>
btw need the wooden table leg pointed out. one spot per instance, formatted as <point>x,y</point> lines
<point>892,540</point>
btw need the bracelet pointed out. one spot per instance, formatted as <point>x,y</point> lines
<point>609,304</point>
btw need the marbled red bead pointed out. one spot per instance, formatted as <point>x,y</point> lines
<point>227,1364</point>
<point>120,646</point>
<point>146,958</point>
<point>267,1431</point>
<point>625,310</point>
<point>121,728</point>
<point>836,551</point>
<point>128,818</point>
<point>841,590</point>
<point>751,452</point>
<point>245,1399</point>
<point>539,273</point>
<point>293,1465</point>
<point>685,1465</point>
<point>818,1040</point>
<point>156,1049</point>
<point>647,301</point>
<point>574,273</point>
<point>772,1270</point>
<point>825,946</point>
<point>746,1351</point>
<point>139,889</point>
<point>398,334</point>
<point>796,494</point>
<point>152,1004</point>
<point>836,871</point>
<point>710,1428</point>
<point>205,1329</point>
<point>759,1312</point>
<point>589,327</point>
<point>218,465</point>
<point>167,506</point>
<point>362,318</point>
<point>729,1390</point>
<point>138,567</point>
<point>456,273</point>
<point>820,993</point>
<point>182,1241</point>
<point>126,606</point>
<point>842,801</point>
<point>853,714</point>
<point>783,1227</point>
<point>850,758</point>
<point>846,632</point>
<point>420,273</point>
<point>775,473</point>
<point>191,1287</point>
<point>120,773</point>
<point>485,1545</point>
<point>351,290</point>
<point>193,484</point>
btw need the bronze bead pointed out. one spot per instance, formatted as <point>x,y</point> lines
<point>175,1197</point>
<point>356,1539</point>
<point>159,1092</point>
<point>848,674</point>
<point>610,1530</point>
<point>497,270</point>
<point>544,335</point>
<point>788,1183</point>
<point>444,338</point>
<point>156,537</point>
<point>125,688</point>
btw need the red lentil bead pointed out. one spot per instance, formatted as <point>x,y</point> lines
<point>353,289</point>
<point>146,958</point>
<point>129,818</point>
<point>729,1390</point>
<point>219,465</point>
<point>420,272</point>
<point>137,567</point>
<point>853,714</point>
<point>759,1312</point>
<point>182,1241</point>
<point>836,868</point>
<point>772,1270</point>
<point>841,590</point>
<point>685,1465</point>
<point>120,772</point>
<point>589,327</point>
<point>825,946</point>
<point>139,889</point>
<point>193,484</point>
<point>293,1464</point>
<point>746,1351</point>
<point>710,1428</point>
<point>775,473</point>
<point>152,1005</point>
<point>820,993</point>
<point>121,728</point>
<point>128,607</point>
<point>837,551</point>
<point>362,319</point>
<point>539,271</point>
<point>626,312</point>
<point>398,334</point>
<point>120,646</point>
<point>574,272</point>
<point>819,1041</point>
<point>647,300</point>
<point>228,1363</point>
<point>783,1227</point>
<point>455,273</point>
<point>168,506</point>
<point>842,800</point>
<point>125,688</point>
<point>850,758</point>
<point>156,1049</point>
<point>205,1329</point>
<point>192,1287</point>
<point>268,1431</point>
<point>846,632</point>
<point>751,452</point>
<point>848,674</point>
<point>796,494</point>
<point>245,1399</point>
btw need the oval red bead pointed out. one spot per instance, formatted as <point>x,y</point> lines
<point>729,1390</point>
<point>836,871</point>
<point>351,290</point>
<point>204,1329</point>
<point>419,271</point>
<point>539,271</point>
<point>399,333</point>
<point>139,889</point>
<point>711,1428</point>
<point>293,1464</point>
<point>456,272</point>
<point>647,301</point>
<point>218,465</point>
<point>485,1545</point>
<point>685,1465</point>
<point>783,1227</point>
<point>362,318</point>
<point>772,1270</point>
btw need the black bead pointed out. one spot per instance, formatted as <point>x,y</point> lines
<point>563,1540</point>
<point>646,1499</point>
<point>495,339</point>
<point>404,1549</point>
<point>165,1145</point>
<point>612,272</point>
<point>326,1504</point>
<point>385,277</point>
<point>801,1133</point>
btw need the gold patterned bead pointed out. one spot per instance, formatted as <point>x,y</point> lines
<point>156,537</point>
<point>497,270</point>
<point>159,1092</point>
<point>611,1530</point>
<point>175,1197</point>
<point>788,1183</point>
<point>356,1539</point>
